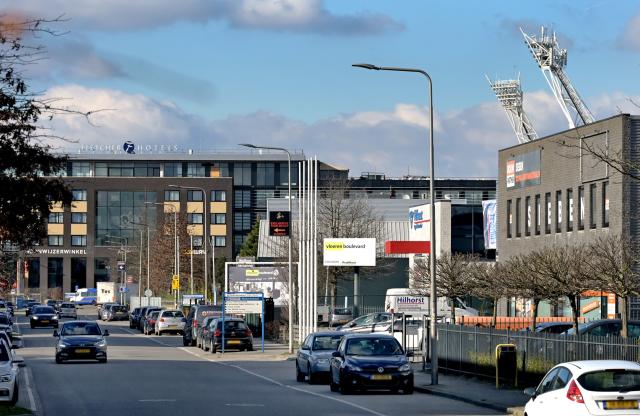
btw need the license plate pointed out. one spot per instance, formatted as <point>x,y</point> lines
<point>45,322</point>
<point>171,326</point>
<point>621,404</point>
<point>233,341</point>
<point>381,377</point>
<point>83,350</point>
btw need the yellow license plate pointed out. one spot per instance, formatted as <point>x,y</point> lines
<point>381,377</point>
<point>45,322</point>
<point>233,341</point>
<point>621,404</point>
<point>83,350</point>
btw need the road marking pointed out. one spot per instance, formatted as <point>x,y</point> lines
<point>156,400</point>
<point>277,383</point>
<point>150,339</point>
<point>244,404</point>
<point>27,381</point>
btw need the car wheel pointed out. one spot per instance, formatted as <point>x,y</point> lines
<point>198,343</point>
<point>32,326</point>
<point>212,347</point>
<point>159,333</point>
<point>312,377</point>
<point>345,388</point>
<point>333,386</point>
<point>103,360</point>
<point>16,395</point>
<point>408,389</point>
<point>250,347</point>
<point>59,360</point>
<point>204,346</point>
<point>185,343</point>
<point>299,374</point>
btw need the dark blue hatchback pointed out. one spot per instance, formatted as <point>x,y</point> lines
<point>370,361</point>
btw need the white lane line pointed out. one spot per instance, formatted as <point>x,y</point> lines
<point>32,400</point>
<point>277,383</point>
<point>150,339</point>
<point>156,400</point>
<point>244,405</point>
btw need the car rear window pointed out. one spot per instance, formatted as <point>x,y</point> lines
<point>119,308</point>
<point>611,380</point>
<point>172,314</point>
<point>68,305</point>
<point>326,342</point>
<point>342,311</point>
<point>232,325</point>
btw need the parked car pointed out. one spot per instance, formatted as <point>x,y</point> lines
<point>81,340</point>
<point>202,329</point>
<point>312,360</point>
<point>606,328</point>
<point>195,318</point>
<point>43,316</point>
<point>9,367</point>
<point>146,314</point>
<point>6,325</point>
<point>150,322</point>
<point>237,335</point>
<point>340,316</point>
<point>365,323</point>
<point>370,361</point>
<point>115,313</point>
<point>11,307</point>
<point>552,327</point>
<point>134,316</point>
<point>170,321</point>
<point>68,310</point>
<point>5,308</point>
<point>51,302</point>
<point>595,387</point>
<point>103,307</point>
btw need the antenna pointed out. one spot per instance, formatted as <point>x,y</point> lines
<point>509,94</point>
<point>552,60</point>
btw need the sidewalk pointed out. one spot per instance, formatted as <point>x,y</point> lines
<point>472,390</point>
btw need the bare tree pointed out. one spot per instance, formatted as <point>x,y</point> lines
<point>490,280</point>
<point>528,283</point>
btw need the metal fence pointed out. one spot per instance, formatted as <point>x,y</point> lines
<point>472,350</point>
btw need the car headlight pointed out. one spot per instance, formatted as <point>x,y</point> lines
<point>55,318</point>
<point>35,318</point>
<point>405,367</point>
<point>352,367</point>
<point>102,343</point>
<point>5,378</point>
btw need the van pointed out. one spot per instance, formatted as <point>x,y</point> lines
<point>412,303</point>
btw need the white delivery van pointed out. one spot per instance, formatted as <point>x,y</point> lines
<point>407,301</point>
<point>107,292</point>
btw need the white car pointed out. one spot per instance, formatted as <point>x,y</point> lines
<point>596,387</point>
<point>170,321</point>
<point>9,363</point>
<point>68,310</point>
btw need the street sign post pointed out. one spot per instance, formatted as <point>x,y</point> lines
<point>122,266</point>
<point>175,282</point>
<point>239,303</point>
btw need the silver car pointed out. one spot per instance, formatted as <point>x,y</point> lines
<point>314,355</point>
<point>68,310</point>
<point>170,321</point>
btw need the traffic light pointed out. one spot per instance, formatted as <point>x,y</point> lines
<point>268,310</point>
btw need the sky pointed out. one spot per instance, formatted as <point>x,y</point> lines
<point>209,74</point>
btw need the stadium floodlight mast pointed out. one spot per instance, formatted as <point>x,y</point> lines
<point>290,288</point>
<point>433,334</point>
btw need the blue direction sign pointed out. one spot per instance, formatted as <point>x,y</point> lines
<point>239,303</point>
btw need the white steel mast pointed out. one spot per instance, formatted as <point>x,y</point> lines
<point>552,60</point>
<point>509,94</point>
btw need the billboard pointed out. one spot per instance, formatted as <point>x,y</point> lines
<point>279,223</point>
<point>524,170</point>
<point>489,221</point>
<point>269,280</point>
<point>349,251</point>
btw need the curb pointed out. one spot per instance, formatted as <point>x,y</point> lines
<point>487,405</point>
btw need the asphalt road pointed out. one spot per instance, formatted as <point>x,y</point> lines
<point>149,375</point>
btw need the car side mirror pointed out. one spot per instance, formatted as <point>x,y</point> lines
<point>105,333</point>
<point>55,333</point>
<point>19,361</point>
<point>336,354</point>
<point>531,392</point>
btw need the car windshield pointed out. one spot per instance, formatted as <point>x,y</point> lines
<point>373,346</point>
<point>43,310</point>
<point>119,308</point>
<point>172,314</point>
<point>326,342</point>
<point>80,328</point>
<point>611,380</point>
<point>68,305</point>
<point>342,311</point>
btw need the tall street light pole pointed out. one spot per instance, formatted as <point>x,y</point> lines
<point>205,233</point>
<point>433,333</point>
<point>282,149</point>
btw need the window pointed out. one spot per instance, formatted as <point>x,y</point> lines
<point>118,211</point>
<point>196,170</point>
<point>527,204</point>
<point>581,208</point>
<point>79,194</point>
<point>265,174</point>
<point>509,221</point>
<point>547,384</point>
<point>537,215</point>
<point>218,196</point>
<point>547,213</point>
<point>563,377</point>
<point>194,196</point>
<point>242,174</point>
<point>172,195</point>
<point>242,221</point>
<point>218,218</point>
<point>558,211</point>
<point>605,204</point>
<point>172,170</point>
<point>56,218</point>
<point>197,241</point>
<point>194,218</point>
<point>220,241</point>
<point>150,169</point>
<point>78,217</point>
<point>592,205</point>
<point>79,240</point>
<point>56,240</point>
<point>80,169</point>
<point>120,169</point>
<point>518,218</point>
<point>241,199</point>
<point>569,209</point>
<point>101,169</point>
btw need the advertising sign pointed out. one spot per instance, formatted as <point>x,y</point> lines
<point>268,280</point>
<point>279,223</point>
<point>241,303</point>
<point>524,170</point>
<point>349,251</point>
<point>420,223</point>
<point>489,221</point>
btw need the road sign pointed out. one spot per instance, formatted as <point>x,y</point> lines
<point>279,223</point>
<point>148,293</point>
<point>129,279</point>
<point>239,302</point>
<point>175,282</point>
<point>123,289</point>
<point>121,266</point>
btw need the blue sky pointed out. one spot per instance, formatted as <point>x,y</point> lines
<point>208,74</point>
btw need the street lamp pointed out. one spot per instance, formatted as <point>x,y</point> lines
<point>433,334</point>
<point>148,257</point>
<point>205,233</point>
<point>252,146</point>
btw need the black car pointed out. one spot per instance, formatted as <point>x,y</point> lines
<point>201,331</point>
<point>237,335</point>
<point>81,340</point>
<point>43,316</point>
<point>134,317</point>
<point>195,319</point>
<point>145,315</point>
<point>30,305</point>
<point>370,361</point>
<point>6,324</point>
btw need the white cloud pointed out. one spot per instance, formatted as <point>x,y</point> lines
<point>304,16</point>
<point>630,37</point>
<point>394,142</point>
